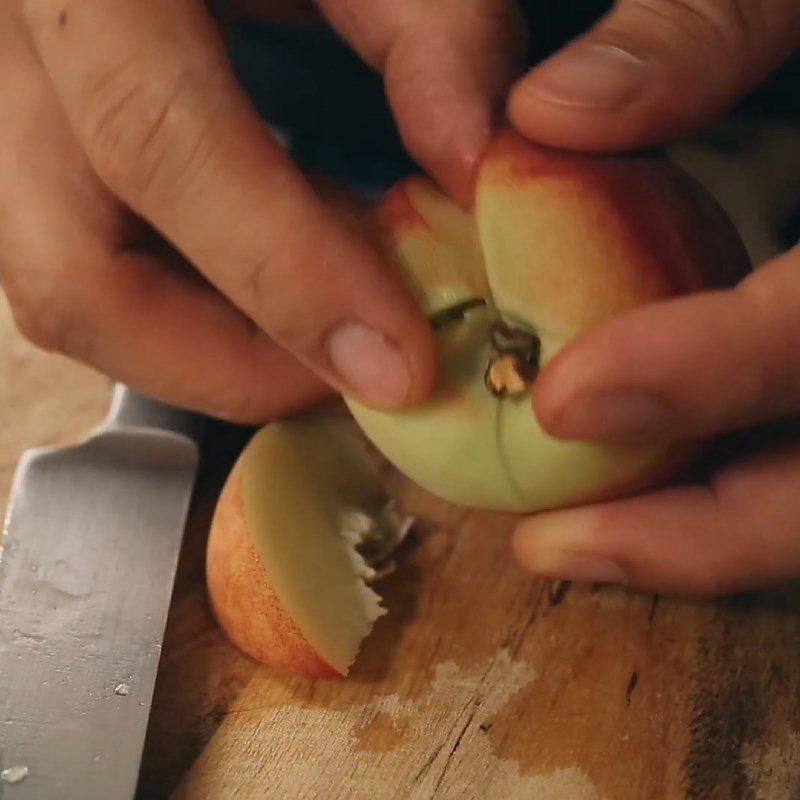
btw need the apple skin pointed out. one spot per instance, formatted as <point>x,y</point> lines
<point>244,602</point>
<point>300,532</point>
<point>558,243</point>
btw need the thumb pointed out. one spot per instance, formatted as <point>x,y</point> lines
<point>693,366</point>
<point>652,70</point>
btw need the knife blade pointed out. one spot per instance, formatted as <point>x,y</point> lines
<point>87,565</point>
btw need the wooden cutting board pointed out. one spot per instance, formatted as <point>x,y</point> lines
<point>481,683</point>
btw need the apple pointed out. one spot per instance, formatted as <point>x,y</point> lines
<point>554,244</point>
<point>300,532</point>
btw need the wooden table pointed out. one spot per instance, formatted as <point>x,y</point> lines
<point>481,682</point>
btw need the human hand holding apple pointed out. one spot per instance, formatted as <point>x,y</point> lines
<point>727,367</point>
<point>176,246</point>
<point>713,363</point>
<point>553,245</point>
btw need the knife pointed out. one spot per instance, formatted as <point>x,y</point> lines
<point>87,565</point>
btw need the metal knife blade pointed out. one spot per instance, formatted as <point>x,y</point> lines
<point>87,566</point>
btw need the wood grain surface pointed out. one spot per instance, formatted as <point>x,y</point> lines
<point>481,682</point>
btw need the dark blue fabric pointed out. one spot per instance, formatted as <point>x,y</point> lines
<point>308,82</point>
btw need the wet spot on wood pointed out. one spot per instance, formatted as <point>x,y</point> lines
<point>727,715</point>
<point>773,768</point>
<point>380,734</point>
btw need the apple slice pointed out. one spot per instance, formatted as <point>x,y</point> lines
<point>302,529</point>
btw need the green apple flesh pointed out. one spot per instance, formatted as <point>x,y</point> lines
<point>554,245</point>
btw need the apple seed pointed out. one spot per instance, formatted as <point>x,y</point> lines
<point>516,363</point>
<point>504,376</point>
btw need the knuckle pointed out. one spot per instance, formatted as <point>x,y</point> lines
<point>712,581</point>
<point>43,315</point>
<point>726,568</point>
<point>288,306</point>
<point>294,330</point>
<point>237,402</point>
<point>770,384</point>
<point>503,20</point>
<point>499,32</point>
<point>147,122</point>
<point>239,405</point>
<point>734,27</point>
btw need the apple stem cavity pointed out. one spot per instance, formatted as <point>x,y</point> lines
<point>515,363</point>
<point>516,352</point>
<point>374,537</point>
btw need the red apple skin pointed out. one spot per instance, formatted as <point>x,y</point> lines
<point>671,235</point>
<point>676,238</point>
<point>692,247</point>
<point>396,214</point>
<point>244,603</point>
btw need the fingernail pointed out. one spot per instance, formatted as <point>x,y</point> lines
<point>622,414</point>
<point>560,544</point>
<point>544,555</point>
<point>369,364</point>
<point>585,569</point>
<point>592,75</point>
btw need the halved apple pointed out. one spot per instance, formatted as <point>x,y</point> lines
<point>555,244</point>
<point>302,529</point>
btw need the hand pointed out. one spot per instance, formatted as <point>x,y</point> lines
<point>122,118</point>
<point>700,365</point>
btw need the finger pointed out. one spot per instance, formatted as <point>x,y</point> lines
<point>74,289</point>
<point>146,326</point>
<point>691,366</point>
<point>151,96</point>
<point>653,70</point>
<point>741,532</point>
<point>447,67</point>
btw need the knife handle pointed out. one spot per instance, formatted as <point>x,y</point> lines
<point>129,409</point>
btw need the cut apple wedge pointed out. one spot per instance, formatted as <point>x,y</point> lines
<point>302,529</point>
